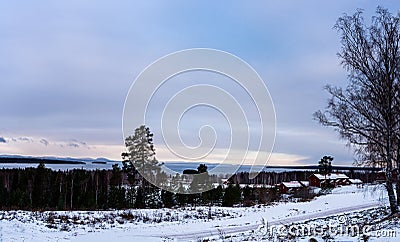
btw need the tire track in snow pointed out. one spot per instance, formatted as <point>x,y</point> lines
<point>215,231</point>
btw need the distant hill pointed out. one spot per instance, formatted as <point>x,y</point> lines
<point>178,166</point>
<point>334,168</point>
<point>50,160</point>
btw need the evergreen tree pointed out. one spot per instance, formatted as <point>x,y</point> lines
<point>167,198</point>
<point>325,168</point>
<point>248,196</point>
<point>130,197</point>
<point>217,195</point>
<point>181,197</point>
<point>201,181</point>
<point>232,195</point>
<point>140,150</point>
<point>152,197</point>
<point>116,179</point>
<point>139,201</point>
<point>325,165</point>
<point>140,157</point>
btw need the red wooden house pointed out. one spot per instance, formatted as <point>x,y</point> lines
<point>287,187</point>
<point>333,179</point>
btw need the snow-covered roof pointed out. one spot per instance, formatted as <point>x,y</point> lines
<point>332,176</point>
<point>243,185</point>
<point>305,183</point>
<point>292,184</point>
<point>339,176</point>
<point>355,181</point>
<point>255,185</point>
<point>319,176</point>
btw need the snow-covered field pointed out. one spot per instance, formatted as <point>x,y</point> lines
<point>347,205</point>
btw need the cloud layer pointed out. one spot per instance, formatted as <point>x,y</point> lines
<point>66,67</point>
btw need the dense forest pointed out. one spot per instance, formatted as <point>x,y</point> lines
<point>45,189</point>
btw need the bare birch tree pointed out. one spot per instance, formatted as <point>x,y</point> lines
<point>367,112</point>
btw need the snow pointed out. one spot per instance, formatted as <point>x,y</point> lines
<point>255,186</point>
<point>182,224</point>
<point>332,176</point>
<point>292,184</point>
<point>305,183</point>
<point>355,181</point>
<point>351,226</point>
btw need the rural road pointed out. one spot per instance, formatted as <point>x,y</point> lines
<point>215,231</point>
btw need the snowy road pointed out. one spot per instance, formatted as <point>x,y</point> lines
<point>193,235</point>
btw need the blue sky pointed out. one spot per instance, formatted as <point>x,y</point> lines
<point>66,67</point>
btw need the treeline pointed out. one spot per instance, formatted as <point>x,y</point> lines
<point>45,189</point>
<point>271,178</point>
<point>41,188</point>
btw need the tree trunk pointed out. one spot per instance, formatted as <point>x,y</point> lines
<point>398,172</point>
<point>389,183</point>
<point>97,187</point>
<point>392,197</point>
<point>398,189</point>
<point>72,192</point>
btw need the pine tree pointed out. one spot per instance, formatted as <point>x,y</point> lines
<point>141,152</point>
<point>217,195</point>
<point>181,197</point>
<point>325,168</point>
<point>201,181</point>
<point>139,201</point>
<point>140,155</point>
<point>167,198</point>
<point>232,195</point>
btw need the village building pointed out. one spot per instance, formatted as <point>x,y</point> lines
<point>381,176</point>
<point>291,186</point>
<point>333,179</point>
<point>305,183</point>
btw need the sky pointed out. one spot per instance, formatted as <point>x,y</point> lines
<point>66,68</point>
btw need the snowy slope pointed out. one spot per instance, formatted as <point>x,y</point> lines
<point>177,224</point>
